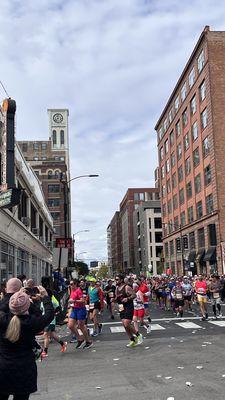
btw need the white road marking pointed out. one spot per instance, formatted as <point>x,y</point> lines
<point>218,323</point>
<point>117,329</point>
<point>157,327</point>
<point>188,325</point>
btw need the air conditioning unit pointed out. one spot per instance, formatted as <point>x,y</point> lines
<point>35,231</point>
<point>25,221</point>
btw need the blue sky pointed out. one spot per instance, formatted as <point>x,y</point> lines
<point>113,63</point>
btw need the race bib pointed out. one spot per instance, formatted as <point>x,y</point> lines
<point>91,306</point>
<point>87,307</point>
<point>111,295</point>
<point>201,291</point>
<point>179,296</point>
<point>121,307</point>
<point>216,295</point>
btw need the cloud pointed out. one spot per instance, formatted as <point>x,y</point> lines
<point>114,64</point>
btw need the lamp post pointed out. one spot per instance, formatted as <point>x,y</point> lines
<point>76,233</point>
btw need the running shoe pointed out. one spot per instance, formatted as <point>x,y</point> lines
<point>214,317</point>
<point>149,320</point>
<point>132,343</point>
<point>64,347</point>
<point>99,329</point>
<point>44,354</point>
<point>139,339</point>
<point>73,340</point>
<point>94,334</point>
<point>220,315</point>
<point>88,345</point>
<point>80,344</point>
<point>149,329</point>
<point>203,318</point>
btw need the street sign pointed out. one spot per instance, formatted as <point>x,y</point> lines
<point>64,243</point>
<point>10,198</point>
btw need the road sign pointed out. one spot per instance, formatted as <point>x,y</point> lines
<point>10,198</point>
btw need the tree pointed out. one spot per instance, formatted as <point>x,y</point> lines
<point>81,268</point>
<point>103,272</point>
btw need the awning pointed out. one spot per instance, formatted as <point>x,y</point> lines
<point>200,255</point>
<point>210,255</point>
<point>192,255</point>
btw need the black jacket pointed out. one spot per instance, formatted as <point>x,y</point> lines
<point>18,370</point>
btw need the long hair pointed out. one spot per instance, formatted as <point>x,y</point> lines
<point>13,330</point>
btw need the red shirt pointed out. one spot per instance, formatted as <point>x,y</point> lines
<point>77,294</point>
<point>144,289</point>
<point>201,287</point>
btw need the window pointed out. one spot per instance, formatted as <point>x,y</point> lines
<point>62,158</point>
<point>158,237</point>
<point>201,237</point>
<point>35,158</point>
<point>193,105</point>
<point>166,249</point>
<point>158,223</point>
<point>204,118</point>
<point>176,104</point>
<point>161,154</point>
<point>57,174</point>
<point>54,138</point>
<point>172,160</point>
<point>165,125</point>
<point>186,142</point>
<point>207,174</point>
<point>176,223</point>
<point>201,61</point>
<point>192,240</point>
<point>170,115</point>
<point>175,202</point>
<point>62,137</point>
<point>160,133</point>
<point>37,172</point>
<point>179,151</point>
<point>50,174</point>
<point>158,251</point>
<point>44,158</point>
<point>163,190</point>
<point>209,203</point>
<point>185,118</point>
<point>196,157</point>
<point>53,188</point>
<point>205,146</point>
<point>168,186</point>
<point>180,174</point>
<point>199,209</point>
<point>149,223</point>
<point>167,165</point>
<point>24,147</point>
<point>43,146</point>
<point>169,207</point>
<point>174,180</point>
<point>157,210</point>
<point>195,130</point>
<point>181,196</point>
<point>172,138</point>
<point>188,166</point>
<point>190,215</point>
<point>55,215</point>
<point>189,190</point>
<point>192,77</point>
<point>182,218</point>
<point>36,146</point>
<point>212,235</point>
<point>166,146</point>
<point>164,209</point>
<point>53,202</point>
<point>183,92</point>
<point>198,184</point>
<point>171,248</point>
<point>178,131</point>
<point>163,172</point>
<point>202,91</point>
<point>141,196</point>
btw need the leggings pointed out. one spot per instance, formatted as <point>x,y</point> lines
<point>15,396</point>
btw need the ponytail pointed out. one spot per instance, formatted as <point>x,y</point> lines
<point>13,330</point>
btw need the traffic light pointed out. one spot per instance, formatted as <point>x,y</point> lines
<point>185,242</point>
<point>178,244</point>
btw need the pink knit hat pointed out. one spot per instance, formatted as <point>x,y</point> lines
<point>19,303</point>
<point>13,285</point>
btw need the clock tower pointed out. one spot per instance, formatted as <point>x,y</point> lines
<point>58,128</point>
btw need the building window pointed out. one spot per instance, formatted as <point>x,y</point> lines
<point>176,104</point>
<point>196,157</point>
<point>166,146</point>
<point>205,146</point>
<point>165,125</point>
<point>174,180</point>
<point>53,202</point>
<point>35,158</point>
<point>54,138</point>
<point>190,215</point>
<point>161,154</point>
<point>157,210</point>
<point>192,77</point>
<point>179,151</point>
<point>170,115</point>
<point>163,172</point>
<point>55,216</point>
<point>24,147</point>
<point>212,235</point>
<point>158,237</point>
<point>53,188</point>
<point>175,202</point>
<point>169,207</point>
<point>180,174</point>
<point>43,146</point>
<point>188,166</point>
<point>201,237</point>
<point>160,133</point>
<point>199,210</point>
<point>186,141</point>
<point>172,138</point>
<point>189,190</point>
<point>209,203</point>
<point>172,160</point>
<point>44,158</point>
<point>183,92</point>
<point>142,196</point>
<point>163,210</point>
<point>201,61</point>
<point>168,186</point>
<point>178,130</point>
<point>193,105</point>
<point>198,184</point>
<point>158,223</point>
<point>171,248</point>
<point>207,175</point>
<point>50,174</point>
<point>163,190</point>
<point>37,172</point>
<point>195,131</point>
<point>182,218</point>
<point>192,240</point>
<point>167,165</point>
<point>158,251</point>
<point>176,223</point>
<point>166,249</point>
<point>62,137</point>
<point>57,174</point>
<point>181,196</point>
<point>204,118</point>
<point>36,146</point>
<point>202,91</point>
<point>185,118</point>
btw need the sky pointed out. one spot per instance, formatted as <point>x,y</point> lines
<point>113,64</point>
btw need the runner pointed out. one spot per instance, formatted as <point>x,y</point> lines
<point>201,291</point>
<point>188,289</point>
<point>178,295</point>
<point>139,308</point>
<point>124,297</point>
<point>95,302</point>
<point>215,288</point>
<point>145,289</point>
<point>110,290</point>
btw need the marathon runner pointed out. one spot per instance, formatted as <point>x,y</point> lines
<point>215,288</point>
<point>96,305</point>
<point>201,291</point>
<point>110,290</point>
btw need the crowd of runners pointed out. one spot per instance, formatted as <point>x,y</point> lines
<point>28,311</point>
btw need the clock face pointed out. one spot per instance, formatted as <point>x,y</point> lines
<point>58,118</point>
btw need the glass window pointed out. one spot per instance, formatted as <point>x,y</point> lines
<point>164,190</point>
<point>176,223</point>
<point>161,154</point>
<point>44,146</point>
<point>54,137</point>
<point>190,215</point>
<point>176,103</point>
<point>201,61</point>
<point>36,146</point>
<point>168,186</point>
<point>192,77</point>
<point>164,209</point>
<point>199,210</point>
<point>196,157</point>
<point>198,183</point>
<point>188,166</point>
<point>201,237</point>
<point>182,218</point>
<point>195,130</point>
<point>171,248</point>
<point>192,240</point>
<point>62,137</point>
<point>158,237</point>
<point>177,127</point>
<point>158,223</point>
<point>165,125</point>
<point>163,172</point>
<point>189,190</point>
<point>158,251</point>
<point>142,196</point>
<point>24,147</point>
<point>166,249</point>
<point>202,91</point>
<point>53,188</point>
<point>172,159</point>
<point>55,215</point>
<point>167,165</point>
<point>207,174</point>
<point>193,105</point>
<point>209,203</point>
<point>35,158</point>
<point>204,118</point>
<point>169,207</point>
<point>170,114</point>
<point>174,180</point>
<point>179,151</point>
<point>180,174</point>
<point>175,202</point>
<point>160,133</point>
<point>50,174</point>
<point>212,235</point>
<point>186,141</point>
<point>53,202</point>
<point>136,196</point>
<point>185,118</point>
<point>205,146</point>
<point>166,146</point>
<point>183,92</point>
<point>172,138</point>
<point>181,196</point>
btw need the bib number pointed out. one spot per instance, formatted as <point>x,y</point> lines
<point>91,306</point>
<point>216,295</point>
<point>179,296</point>
<point>111,295</point>
<point>121,307</point>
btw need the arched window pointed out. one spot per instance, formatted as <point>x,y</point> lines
<point>50,174</point>
<point>57,174</point>
<point>54,139</point>
<point>62,136</point>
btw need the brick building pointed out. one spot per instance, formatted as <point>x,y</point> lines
<point>114,240</point>
<point>191,145</point>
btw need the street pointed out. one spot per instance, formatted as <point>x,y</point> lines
<point>159,369</point>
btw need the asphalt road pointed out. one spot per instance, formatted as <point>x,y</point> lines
<point>157,370</point>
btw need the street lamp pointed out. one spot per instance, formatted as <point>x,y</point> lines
<point>76,233</point>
